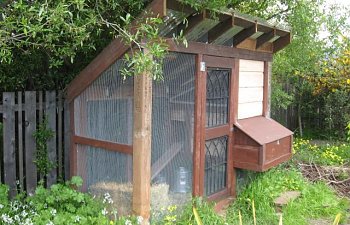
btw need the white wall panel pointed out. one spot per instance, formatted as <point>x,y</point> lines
<point>250,95</point>
<point>251,88</point>
<point>251,66</point>
<point>251,79</point>
<point>246,110</point>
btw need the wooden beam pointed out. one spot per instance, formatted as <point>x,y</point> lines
<point>265,38</point>
<point>179,7</point>
<point>142,136</point>
<point>217,50</point>
<point>198,25</point>
<point>122,148</point>
<point>244,34</point>
<point>220,30</point>
<point>281,42</point>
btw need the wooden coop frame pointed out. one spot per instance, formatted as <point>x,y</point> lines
<point>230,41</point>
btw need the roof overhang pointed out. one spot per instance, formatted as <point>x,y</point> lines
<point>226,27</point>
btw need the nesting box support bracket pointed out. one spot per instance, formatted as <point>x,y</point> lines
<point>142,146</point>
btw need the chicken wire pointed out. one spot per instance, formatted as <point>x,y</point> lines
<point>172,131</point>
<point>105,171</point>
<point>104,110</point>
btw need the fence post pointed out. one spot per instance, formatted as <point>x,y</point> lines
<point>30,144</point>
<point>9,142</point>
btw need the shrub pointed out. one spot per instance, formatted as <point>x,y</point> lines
<point>61,204</point>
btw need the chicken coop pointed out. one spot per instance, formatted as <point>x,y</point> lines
<point>156,143</point>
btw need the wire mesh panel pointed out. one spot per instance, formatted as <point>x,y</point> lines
<point>217,97</point>
<point>172,132</point>
<point>104,172</point>
<point>215,165</point>
<point>104,110</point>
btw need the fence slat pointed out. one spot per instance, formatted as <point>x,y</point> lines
<point>51,143</point>
<point>59,134</point>
<point>40,106</point>
<point>9,142</point>
<point>67,134</point>
<point>20,141</point>
<point>30,144</point>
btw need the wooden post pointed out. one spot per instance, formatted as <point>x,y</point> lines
<point>142,146</point>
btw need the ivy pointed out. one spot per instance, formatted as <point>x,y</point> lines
<point>42,135</point>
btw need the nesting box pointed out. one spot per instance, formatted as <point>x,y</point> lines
<point>209,116</point>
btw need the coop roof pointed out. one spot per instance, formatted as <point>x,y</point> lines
<point>263,130</point>
<point>213,31</point>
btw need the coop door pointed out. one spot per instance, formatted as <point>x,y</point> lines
<point>219,115</point>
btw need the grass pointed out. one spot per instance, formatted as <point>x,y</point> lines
<point>316,201</point>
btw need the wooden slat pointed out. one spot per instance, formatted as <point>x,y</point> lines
<point>142,146</point>
<point>40,119</point>
<point>217,50</point>
<point>281,42</point>
<point>9,142</point>
<point>251,66</point>
<point>198,25</point>
<point>30,144</point>
<point>41,112</point>
<point>254,94</point>
<point>251,79</point>
<point>179,7</point>
<point>265,38</point>
<point>20,141</point>
<point>244,34</point>
<point>60,134</point>
<point>216,132</point>
<point>251,109</point>
<point>50,110</point>
<point>122,148</point>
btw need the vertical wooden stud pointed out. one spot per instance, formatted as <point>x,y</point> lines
<point>197,128</point>
<point>67,137</point>
<point>266,95</point>
<point>9,142</point>
<point>142,136</point>
<point>129,136</point>
<point>73,147</point>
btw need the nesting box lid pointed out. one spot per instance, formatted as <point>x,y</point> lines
<point>263,130</point>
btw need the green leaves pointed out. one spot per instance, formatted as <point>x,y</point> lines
<point>42,135</point>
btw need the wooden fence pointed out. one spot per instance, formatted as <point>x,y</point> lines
<point>21,113</point>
